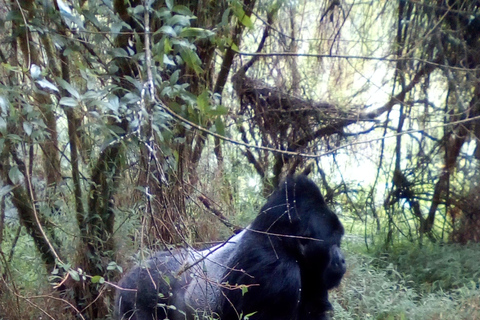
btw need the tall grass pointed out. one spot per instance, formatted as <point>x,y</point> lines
<point>434,282</point>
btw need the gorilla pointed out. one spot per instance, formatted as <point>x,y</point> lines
<point>278,268</point>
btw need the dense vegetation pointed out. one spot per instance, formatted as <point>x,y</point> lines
<point>129,126</point>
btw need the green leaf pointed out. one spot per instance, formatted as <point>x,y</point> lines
<point>188,97</point>
<point>166,279</point>
<point>92,95</point>
<point>169,4</point>
<point>180,20</point>
<point>168,61</point>
<point>74,274</point>
<point>220,128</point>
<point>218,111</point>
<point>198,33</point>
<point>275,7</point>
<point>225,17</point>
<point>28,128</point>
<point>174,77</point>
<point>246,21</point>
<point>67,86</point>
<point>15,175</point>
<point>241,15</point>
<point>139,9</point>
<point>167,46</point>
<point>163,13</point>
<point>116,129</point>
<point>68,102</point>
<point>14,15</point>
<point>11,68</point>
<point>192,60</point>
<point>233,45</point>
<point>116,28</point>
<point>135,82</point>
<point>244,289</point>
<point>113,104</point>
<point>4,105</point>
<point>181,9</point>
<point>131,98</point>
<point>5,190</point>
<point>45,84</point>
<point>202,102</point>
<point>3,125</point>
<point>119,53</point>
<point>182,43</point>
<point>112,265</point>
<point>167,30</point>
<point>98,279</point>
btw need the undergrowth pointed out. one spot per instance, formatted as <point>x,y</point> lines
<point>406,282</point>
<point>434,267</point>
<point>434,282</point>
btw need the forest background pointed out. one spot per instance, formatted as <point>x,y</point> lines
<point>129,126</point>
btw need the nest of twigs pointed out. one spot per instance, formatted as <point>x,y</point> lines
<point>279,115</point>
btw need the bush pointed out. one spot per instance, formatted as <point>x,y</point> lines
<point>371,292</point>
<point>433,267</point>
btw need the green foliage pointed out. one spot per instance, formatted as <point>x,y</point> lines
<point>433,267</point>
<point>98,279</point>
<point>406,282</point>
<point>26,272</point>
<point>373,292</point>
<point>238,11</point>
<point>112,265</point>
<point>247,316</point>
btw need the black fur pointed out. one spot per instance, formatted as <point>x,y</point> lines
<point>280,268</point>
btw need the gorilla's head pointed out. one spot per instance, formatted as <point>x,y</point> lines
<point>310,230</point>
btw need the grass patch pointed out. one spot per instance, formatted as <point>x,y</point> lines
<point>413,283</point>
<point>432,267</point>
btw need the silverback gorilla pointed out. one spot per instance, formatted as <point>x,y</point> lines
<point>279,268</point>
